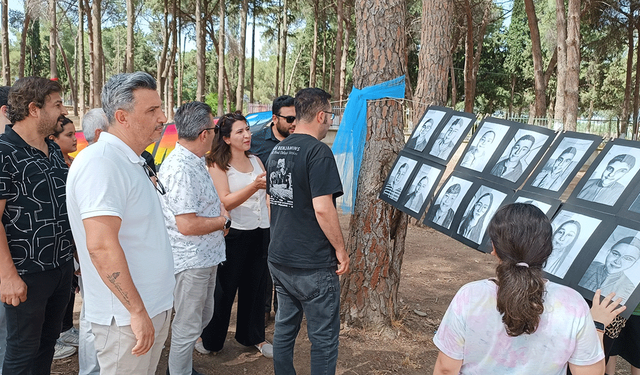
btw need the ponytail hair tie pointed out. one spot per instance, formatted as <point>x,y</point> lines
<point>522,264</point>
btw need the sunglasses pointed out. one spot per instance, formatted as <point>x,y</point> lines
<point>157,184</point>
<point>290,119</point>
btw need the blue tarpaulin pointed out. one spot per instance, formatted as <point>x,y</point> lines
<point>348,146</point>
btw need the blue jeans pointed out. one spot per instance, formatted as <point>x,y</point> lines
<point>316,293</point>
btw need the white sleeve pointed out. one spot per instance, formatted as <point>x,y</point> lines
<point>588,349</point>
<point>101,189</point>
<point>450,335</point>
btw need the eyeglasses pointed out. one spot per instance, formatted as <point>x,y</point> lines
<point>205,129</point>
<point>290,119</point>
<point>333,115</point>
<point>157,184</point>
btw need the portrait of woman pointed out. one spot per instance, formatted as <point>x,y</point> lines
<point>472,222</point>
<point>563,240</point>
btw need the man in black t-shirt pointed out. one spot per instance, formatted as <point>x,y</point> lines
<point>36,246</point>
<point>306,253</point>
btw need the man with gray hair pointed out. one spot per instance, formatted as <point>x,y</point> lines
<point>94,122</point>
<point>196,221</point>
<point>116,218</point>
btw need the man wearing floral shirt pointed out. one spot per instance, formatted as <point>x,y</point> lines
<point>196,222</point>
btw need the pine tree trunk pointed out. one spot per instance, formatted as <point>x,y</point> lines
<point>241,60</point>
<point>160,73</point>
<point>253,51</point>
<point>23,44</point>
<point>434,56</point>
<point>377,230</point>
<point>6,66</point>
<point>283,46</point>
<point>314,50</point>
<point>131,21</point>
<point>573,66</point>
<point>98,65</point>
<point>624,123</point>
<point>81,62</point>
<point>92,57</point>
<point>636,93</point>
<point>540,104</point>
<point>221,61</point>
<point>338,50</point>
<point>561,47</point>
<point>201,64</point>
<point>343,58</point>
<point>74,93</point>
<point>53,29</point>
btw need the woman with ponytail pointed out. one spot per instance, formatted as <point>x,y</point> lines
<point>519,322</point>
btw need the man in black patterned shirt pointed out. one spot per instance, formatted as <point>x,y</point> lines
<point>36,246</point>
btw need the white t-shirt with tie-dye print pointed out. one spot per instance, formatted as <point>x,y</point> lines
<point>472,331</point>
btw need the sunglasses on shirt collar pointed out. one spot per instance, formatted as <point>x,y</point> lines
<point>290,119</point>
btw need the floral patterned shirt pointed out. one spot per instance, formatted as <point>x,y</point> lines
<point>190,190</point>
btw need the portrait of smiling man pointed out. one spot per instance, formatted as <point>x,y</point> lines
<point>511,167</point>
<point>117,221</point>
<point>607,189</point>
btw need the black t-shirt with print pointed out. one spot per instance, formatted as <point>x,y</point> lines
<point>299,169</point>
<point>35,215</point>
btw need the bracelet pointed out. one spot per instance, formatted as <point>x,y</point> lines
<point>599,326</point>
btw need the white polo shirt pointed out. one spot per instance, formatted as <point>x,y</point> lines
<point>108,179</point>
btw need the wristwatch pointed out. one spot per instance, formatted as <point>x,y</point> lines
<point>599,326</point>
<point>227,223</point>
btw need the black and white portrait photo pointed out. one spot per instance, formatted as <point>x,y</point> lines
<point>612,175</point>
<point>398,177</point>
<point>449,136</point>
<point>615,268</point>
<point>483,146</point>
<point>561,164</point>
<point>571,231</point>
<point>544,207</point>
<point>420,188</point>
<point>479,212</point>
<point>447,202</point>
<point>422,133</point>
<point>280,180</point>
<point>521,151</point>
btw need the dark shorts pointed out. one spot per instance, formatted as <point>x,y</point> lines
<point>627,345</point>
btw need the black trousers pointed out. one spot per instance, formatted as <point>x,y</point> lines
<point>243,272</point>
<point>34,325</point>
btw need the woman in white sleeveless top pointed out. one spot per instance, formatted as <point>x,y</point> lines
<point>239,179</point>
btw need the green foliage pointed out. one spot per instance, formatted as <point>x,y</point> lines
<point>35,55</point>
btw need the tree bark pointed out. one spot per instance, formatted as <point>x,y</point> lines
<point>338,47</point>
<point>314,50</point>
<point>561,48</point>
<point>23,43</point>
<point>6,65</point>
<point>221,61</point>
<point>241,58</point>
<point>201,64</point>
<point>435,56</point>
<point>53,29</point>
<point>131,21</point>
<point>624,123</point>
<point>92,57</point>
<point>472,64</point>
<point>573,66</point>
<point>343,57</point>
<point>74,93</point>
<point>81,62</point>
<point>377,230</point>
<point>98,65</point>
<point>162,59</point>
<point>283,46</point>
<point>253,51</point>
<point>540,104</point>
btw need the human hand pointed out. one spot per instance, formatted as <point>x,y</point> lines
<point>13,290</point>
<point>343,262</point>
<point>261,181</point>
<point>605,311</point>
<point>143,330</point>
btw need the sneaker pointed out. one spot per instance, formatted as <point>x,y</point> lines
<point>63,351</point>
<point>70,337</point>
<point>200,347</point>
<point>266,349</point>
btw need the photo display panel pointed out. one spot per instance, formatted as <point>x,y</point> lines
<point>476,210</point>
<point>434,118</point>
<point>521,150</point>
<point>608,182</point>
<point>398,178</point>
<point>546,204</point>
<point>416,196</point>
<point>561,163</point>
<point>447,201</point>
<point>611,264</point>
